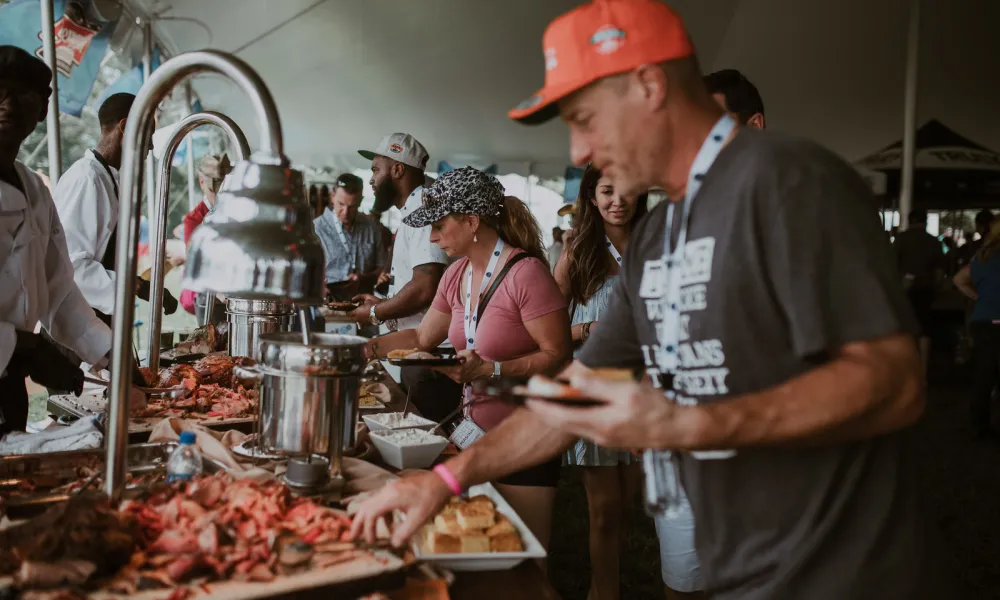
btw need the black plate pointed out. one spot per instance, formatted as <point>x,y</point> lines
<point>342,306</point>
<point>507,390</point>
<point>441,359</point>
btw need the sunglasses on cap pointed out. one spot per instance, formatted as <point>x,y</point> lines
<point>351,185</point>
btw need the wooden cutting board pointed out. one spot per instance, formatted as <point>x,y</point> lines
<point>356,577</point>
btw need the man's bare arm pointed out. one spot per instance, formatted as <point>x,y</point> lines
<point>869,389</point>
<point>519,442</point>
<point>415,296</point>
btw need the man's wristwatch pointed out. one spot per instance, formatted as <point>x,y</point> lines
<point>372,316</point>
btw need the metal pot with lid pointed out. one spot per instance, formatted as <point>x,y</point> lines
<point>309,393</point>
<point>249,319</point>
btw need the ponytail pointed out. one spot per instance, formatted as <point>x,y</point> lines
<point>518,227</point>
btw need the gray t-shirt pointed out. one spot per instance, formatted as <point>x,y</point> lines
<point>785,261</point>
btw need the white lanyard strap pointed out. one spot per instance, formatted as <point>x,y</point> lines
<point>471,318</point>
<point>614,251</point>
<point>339,228</point>
<point>471,323</point>
<point>664,495</point>
<point>674,261</point>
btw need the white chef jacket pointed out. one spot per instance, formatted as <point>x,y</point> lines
<point>412,248</point>
<point>36,278</point>
<point>88,207</point>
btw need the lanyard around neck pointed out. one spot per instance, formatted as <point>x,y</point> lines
<point>706,156</point>
<point>471,319</point>
<point>614,251</point>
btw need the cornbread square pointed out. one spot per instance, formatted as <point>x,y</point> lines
<point>475,543</point>
<point>475,516</point>
<point>482,499</point>
<point>506,542</point>
<point>442,543</point>
<point>447,523</point>
<point>502,525</point>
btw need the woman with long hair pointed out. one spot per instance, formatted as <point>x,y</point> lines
<point>523,329</point>
<point>586,273</point>
<point>980,280</point>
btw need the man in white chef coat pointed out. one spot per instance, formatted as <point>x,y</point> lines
<point>36,278</point>
<point>86,198</point>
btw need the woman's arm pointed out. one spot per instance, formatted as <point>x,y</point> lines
<point>561,274</point>
<point>963,281</point>
<point>432,331</point>
<point>580,331</point>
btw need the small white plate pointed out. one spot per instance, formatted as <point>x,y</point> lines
<point>485,561</point>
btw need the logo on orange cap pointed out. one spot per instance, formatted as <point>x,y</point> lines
<point>608,39</point>
<point>599,39</point>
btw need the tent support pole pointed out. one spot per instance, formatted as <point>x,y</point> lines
<point>52,125</point>
<point>910,116</point>
<point>147,69</point>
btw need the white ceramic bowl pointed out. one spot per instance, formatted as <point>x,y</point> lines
<point>410,456</point>
<point>374,425</point>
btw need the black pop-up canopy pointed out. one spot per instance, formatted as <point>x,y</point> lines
<point>951,172</point>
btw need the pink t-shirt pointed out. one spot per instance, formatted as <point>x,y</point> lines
<point>526,293</point>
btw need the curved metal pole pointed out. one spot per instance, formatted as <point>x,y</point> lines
<point>237,141</point>
<point>138,135</point>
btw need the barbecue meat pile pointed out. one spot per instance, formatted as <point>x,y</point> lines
<point>218,528</point>
<point>211,390</point>
<point>70,543</point>
<point>215,368</point>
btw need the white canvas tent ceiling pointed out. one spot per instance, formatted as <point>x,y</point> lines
<point>346,72</point>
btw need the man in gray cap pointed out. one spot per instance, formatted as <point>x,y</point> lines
<point>417,265</point>
<point>212,170</point>
<point>36,282</point>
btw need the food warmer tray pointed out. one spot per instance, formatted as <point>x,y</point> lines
<point>93,403</point>
<point>54,469</point>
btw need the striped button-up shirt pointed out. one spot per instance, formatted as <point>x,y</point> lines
<point>356,249</point>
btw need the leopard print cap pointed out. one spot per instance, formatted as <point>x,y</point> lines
<point>465,191</point>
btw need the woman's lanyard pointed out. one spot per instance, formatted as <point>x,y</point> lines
<point>614,251</point>
<point>471,323</point>
<point>663,492</point>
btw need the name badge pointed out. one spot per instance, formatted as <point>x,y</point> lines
<point>653,284</point>
<point>466,434</point>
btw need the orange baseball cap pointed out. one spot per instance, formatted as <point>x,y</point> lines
<point>598,39</point>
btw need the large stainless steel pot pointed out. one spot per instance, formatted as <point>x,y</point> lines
<point>309,394</point>
<point>249,319</point>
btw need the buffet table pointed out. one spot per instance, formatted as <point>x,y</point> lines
<point>413,582</point>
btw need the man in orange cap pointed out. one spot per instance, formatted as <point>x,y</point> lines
<point>765,307</point>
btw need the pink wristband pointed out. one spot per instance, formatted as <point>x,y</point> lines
<point>449,479</point>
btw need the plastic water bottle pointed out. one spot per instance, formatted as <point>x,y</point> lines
<point>185,462</point>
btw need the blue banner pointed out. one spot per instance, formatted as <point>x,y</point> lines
<point>130,81</point>
<point>80,44</point>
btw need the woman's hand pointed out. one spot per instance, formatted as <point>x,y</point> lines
<point>472,369</point>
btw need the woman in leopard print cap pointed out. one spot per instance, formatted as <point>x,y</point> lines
<point>523,330</point>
